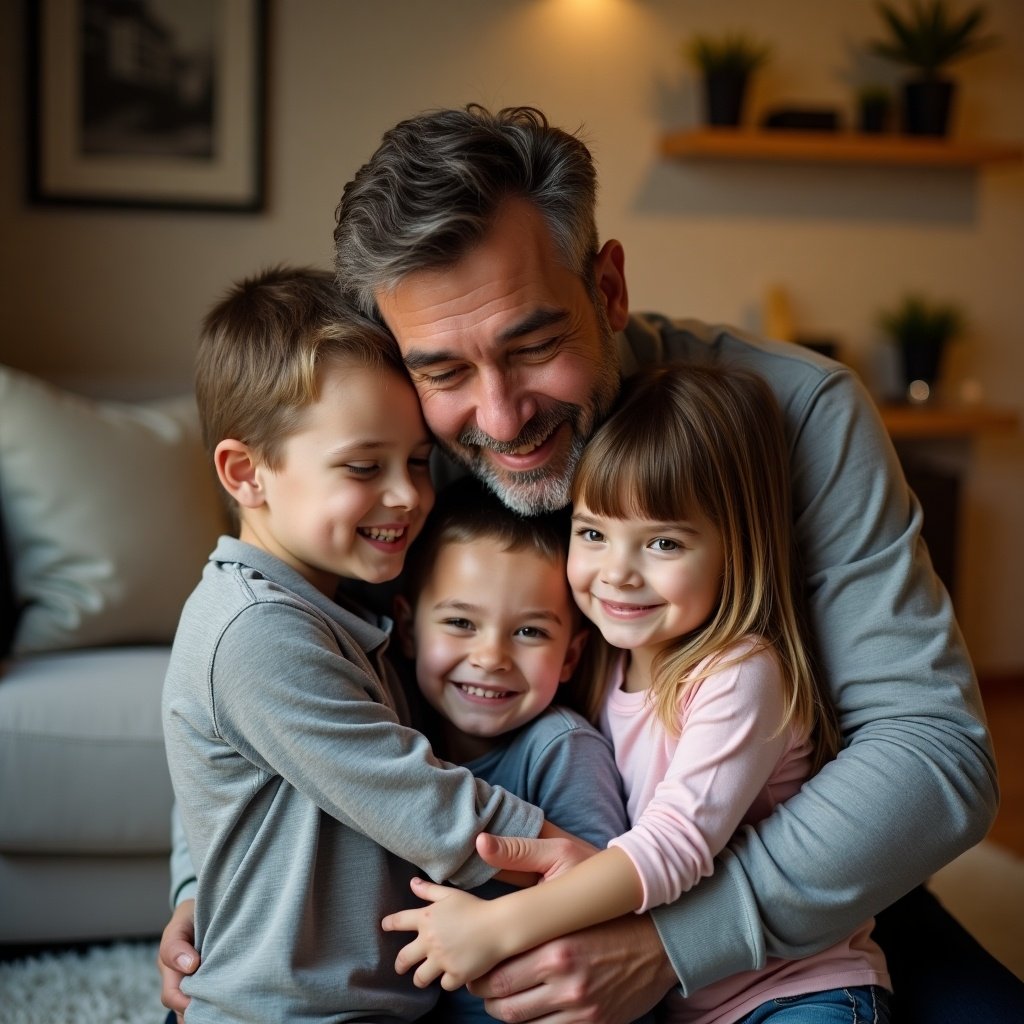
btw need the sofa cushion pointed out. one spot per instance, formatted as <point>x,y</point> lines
<point>110,511</point>
<point>82,762</point>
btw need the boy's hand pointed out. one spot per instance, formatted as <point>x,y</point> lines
<point>177,956</point>
<point>457,940</point>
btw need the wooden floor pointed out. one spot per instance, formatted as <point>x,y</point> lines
<point>1004,705</point>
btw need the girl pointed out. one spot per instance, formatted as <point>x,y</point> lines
<point>682,556</point>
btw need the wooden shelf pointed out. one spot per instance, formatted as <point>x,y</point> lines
<point>781,145</point>
<point>923,422</point>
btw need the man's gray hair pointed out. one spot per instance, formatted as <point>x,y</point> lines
<point>430,193</point>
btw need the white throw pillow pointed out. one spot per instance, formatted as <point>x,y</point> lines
<point>110,511</point>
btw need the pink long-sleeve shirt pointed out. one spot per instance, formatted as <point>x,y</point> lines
<point>687,794</point>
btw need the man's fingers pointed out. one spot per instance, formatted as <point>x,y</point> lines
<point>515,853</point>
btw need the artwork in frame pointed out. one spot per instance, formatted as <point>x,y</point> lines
<point>147,103</point>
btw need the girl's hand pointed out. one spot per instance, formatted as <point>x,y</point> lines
<point>458,936</point>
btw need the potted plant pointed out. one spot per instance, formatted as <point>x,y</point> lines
<point>927,37</point>
<point>873,105</point>
<point>726,63</point>
<point>921,329</point>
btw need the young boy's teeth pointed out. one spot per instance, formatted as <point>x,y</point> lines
<point>375,533</point>
<point>479,691</point>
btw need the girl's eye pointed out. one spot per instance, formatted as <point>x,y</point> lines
<point>588,534</point>
<point>362,468</point>
<point>457,623</point>
<point>664,544</point>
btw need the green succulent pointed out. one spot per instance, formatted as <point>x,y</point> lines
<point>917,321</point>
<point>928,36</point>
<point>734,52</point>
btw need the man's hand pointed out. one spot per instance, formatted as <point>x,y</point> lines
<point>612,973</point>
<point>551,854</point>
<point>177,956</point>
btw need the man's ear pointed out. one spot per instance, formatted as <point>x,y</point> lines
<point>237,470</point>
<point>610,275</point>
<point>573,655</point>
<point>404,626</point>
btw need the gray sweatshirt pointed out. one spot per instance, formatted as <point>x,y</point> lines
<point>306,801</point>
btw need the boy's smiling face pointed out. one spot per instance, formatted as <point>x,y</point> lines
<point>493,633</point>
<point>353,486</point>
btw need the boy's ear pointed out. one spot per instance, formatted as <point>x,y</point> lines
<point>573,655</point>
<point>237,471</point>
<point>403,626</point>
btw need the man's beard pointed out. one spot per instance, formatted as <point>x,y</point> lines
<point>547,489</point>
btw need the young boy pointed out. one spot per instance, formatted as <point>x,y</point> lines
<point>305,798</point>
<point>489,620</point>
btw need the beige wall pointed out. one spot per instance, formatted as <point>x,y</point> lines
<point>110,300</point>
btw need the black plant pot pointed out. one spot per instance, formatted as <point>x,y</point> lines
<point>873,118</point>
<point>724,92</point>
<point>927,103</point>
<point>920,362</point>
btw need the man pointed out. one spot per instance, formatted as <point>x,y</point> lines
<point>471,236</point>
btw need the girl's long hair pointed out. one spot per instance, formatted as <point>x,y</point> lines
<point>686,439</point>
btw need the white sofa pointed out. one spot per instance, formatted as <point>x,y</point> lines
<point>107,513</point>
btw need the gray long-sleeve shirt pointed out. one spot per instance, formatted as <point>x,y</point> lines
<point>305,800</point>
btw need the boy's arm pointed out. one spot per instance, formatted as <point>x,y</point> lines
<point>290,702</point>
<point>462,937</point>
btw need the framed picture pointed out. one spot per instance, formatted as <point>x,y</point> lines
<point>147,103</point>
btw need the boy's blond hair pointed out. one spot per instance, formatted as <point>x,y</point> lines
<point>262,347</point>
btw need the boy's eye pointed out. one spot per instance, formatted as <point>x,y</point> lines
<point>532,633</point>
<point>362,468</point>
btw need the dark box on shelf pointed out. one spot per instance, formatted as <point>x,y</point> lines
<point>802,119</point>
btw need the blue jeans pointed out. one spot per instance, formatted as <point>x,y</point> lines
<point>866,1005</point>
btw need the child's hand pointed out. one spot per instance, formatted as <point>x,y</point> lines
<point>457,940</point>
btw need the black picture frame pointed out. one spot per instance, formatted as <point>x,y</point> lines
<point>147,104</point>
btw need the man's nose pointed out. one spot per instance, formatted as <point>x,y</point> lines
<point>502,410</point>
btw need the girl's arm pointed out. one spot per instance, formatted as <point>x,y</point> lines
<point>462,937</point>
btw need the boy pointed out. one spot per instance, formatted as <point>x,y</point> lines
<point>304,796</point>
<point>489,619</point>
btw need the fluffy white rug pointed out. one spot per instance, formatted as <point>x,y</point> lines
<point>118,984</point>
<point>104,985</point>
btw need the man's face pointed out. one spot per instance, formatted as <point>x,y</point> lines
<point>513,363</point>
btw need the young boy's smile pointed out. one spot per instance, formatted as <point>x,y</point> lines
<point>494,632</point>
<point>353,486</point>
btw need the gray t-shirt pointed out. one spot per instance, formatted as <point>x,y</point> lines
<point>566,767</point>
